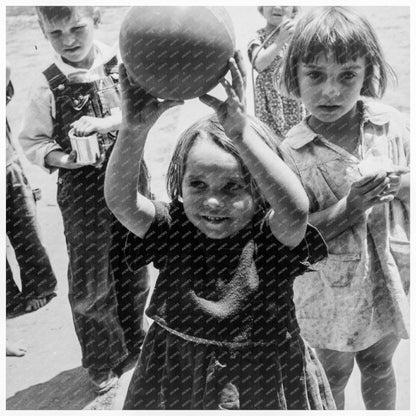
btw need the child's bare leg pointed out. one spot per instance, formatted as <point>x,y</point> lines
<point>338,367</point>
<point>378,381</point>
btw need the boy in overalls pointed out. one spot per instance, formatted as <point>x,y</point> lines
<point>79,91</point>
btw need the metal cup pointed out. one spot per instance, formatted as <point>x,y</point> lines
<point>87,147</point>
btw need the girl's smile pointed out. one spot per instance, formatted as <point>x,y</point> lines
<point>330,89</point>
<point>216,198</point>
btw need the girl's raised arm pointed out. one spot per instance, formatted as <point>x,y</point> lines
<point>140,111</point>
<point>262,58</point>
<point>277,182</point>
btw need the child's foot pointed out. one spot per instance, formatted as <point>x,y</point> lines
<point>37,303</point>
<point>15,309</point>
<point>14,350</point>
<point>127,364</point>
<point>103,381</point>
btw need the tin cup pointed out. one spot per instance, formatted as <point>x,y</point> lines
<point>87,148</point>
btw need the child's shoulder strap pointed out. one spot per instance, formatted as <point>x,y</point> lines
<point>54,76</point>
<point>111,67</point>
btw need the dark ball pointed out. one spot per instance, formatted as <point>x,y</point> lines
<point>177,52</point>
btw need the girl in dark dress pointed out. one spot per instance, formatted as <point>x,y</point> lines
<point>228,247</point>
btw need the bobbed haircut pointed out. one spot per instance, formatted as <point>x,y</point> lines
<point>347,36</point>
<point>63,13</point>
<point>209,127</point>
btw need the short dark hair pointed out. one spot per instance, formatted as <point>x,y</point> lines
<point>62,13</point>
<point>344,33</point>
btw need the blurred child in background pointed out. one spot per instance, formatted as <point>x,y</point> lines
<point>280,113</point>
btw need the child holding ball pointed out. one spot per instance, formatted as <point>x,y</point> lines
<point>228,247</point>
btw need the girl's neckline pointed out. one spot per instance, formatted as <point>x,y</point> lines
<point>328,133</point>
<point>234,240</point>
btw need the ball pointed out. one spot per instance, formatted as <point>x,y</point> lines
<point>176,53</point>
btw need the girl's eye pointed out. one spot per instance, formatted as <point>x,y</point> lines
<point>314,75</point>
<point>197,184</point>
<point>78,28</point>
<point>348,75</point>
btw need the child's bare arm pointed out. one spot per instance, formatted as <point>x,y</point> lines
<point>140,112</point>
<point>133,210</point>
<point>267,55</point>
<point>87,125</point>
<point>277,182</point>
<point>281,188</point>
<point>60,159</point>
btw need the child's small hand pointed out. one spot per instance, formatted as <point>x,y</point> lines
<point>375,188</point>
<point>367,191</point>
<point>286,30</point>
<point>232,112</point>
<point>394,175</point>
<point>68,161</point>
<point>87,125</point>
<point>137,106</point>
<point>100,160</point>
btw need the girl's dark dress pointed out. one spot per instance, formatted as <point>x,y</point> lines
<point>225,334</point>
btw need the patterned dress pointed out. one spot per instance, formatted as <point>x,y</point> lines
<point>278,112</point>
<point>361,295</point>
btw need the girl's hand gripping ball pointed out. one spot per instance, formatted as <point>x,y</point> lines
<point>232,112</point>
<point>139,108</point>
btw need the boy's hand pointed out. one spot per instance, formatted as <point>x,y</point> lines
<point>137,106</point>
<point>87,125</point>
<point>100,160</point>
<point>375,188</point>
<point>68,161</point>
<point>232,112</point>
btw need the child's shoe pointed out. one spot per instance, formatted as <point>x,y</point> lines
<point>103,380</point>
